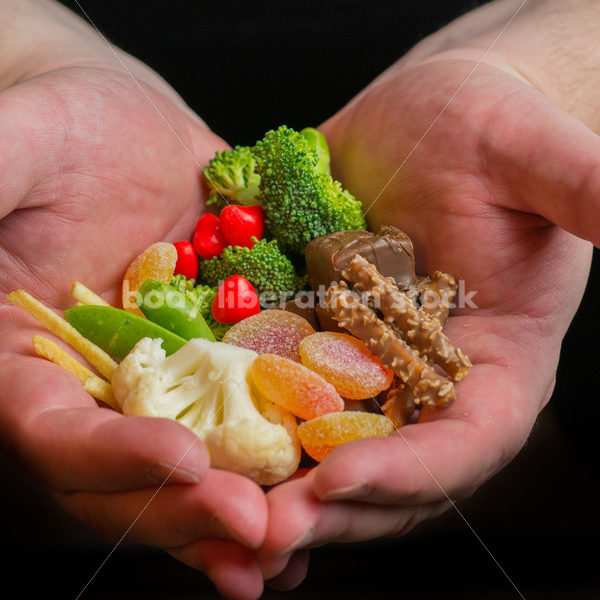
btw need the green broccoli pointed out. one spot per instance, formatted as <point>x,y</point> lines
<point>202,296</point>
<point>263,265</point>
<point>301,202</point>
<point>231,178</point>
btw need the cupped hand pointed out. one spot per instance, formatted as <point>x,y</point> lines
<point>96,167</point>
<point>499,187</point>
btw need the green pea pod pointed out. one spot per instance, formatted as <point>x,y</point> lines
<point>117,331</point>
<point>317,141</point>
<point>173,310</point>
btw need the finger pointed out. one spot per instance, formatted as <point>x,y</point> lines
<point>223,505</point>
<point>232,568</point>
<point>61,436</point>
<point>271,565</point>
<point>451,451</point>
<point>293,574</point>
<point>298,519</point>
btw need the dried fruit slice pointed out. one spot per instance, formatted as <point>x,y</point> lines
<point>321,435</point>
<point>294,387</point>
<point>155,262</point>
<point>346,363</point>
<point>271,332</point>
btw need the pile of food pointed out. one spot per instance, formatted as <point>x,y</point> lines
<point>283,326</point>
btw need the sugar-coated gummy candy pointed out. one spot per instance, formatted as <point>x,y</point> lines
<point>155,262</point>
<point>321,435</point>
<point>294,387</point>
<point>346,363</point>
<point>271,332</point>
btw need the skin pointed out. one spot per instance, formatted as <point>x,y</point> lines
<point>509,171</point>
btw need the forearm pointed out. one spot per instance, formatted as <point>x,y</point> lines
<point>37,36</point>
<point>551,44</point>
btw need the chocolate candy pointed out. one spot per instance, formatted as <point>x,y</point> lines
<point>390,250</point>
<point>326,320</point>
<point>303,307</point>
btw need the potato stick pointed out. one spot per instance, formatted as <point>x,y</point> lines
<point>48,349</point>
<point>86,296</point>
<point>59,327</point>
<point>101,390</point>
<point>92,384</point>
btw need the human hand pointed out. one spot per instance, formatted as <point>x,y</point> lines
<point>95,169</point>
<point>494,193</point>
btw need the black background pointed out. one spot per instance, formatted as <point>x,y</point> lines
<point>246,67</point>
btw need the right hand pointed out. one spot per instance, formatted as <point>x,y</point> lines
<point>91,176</point>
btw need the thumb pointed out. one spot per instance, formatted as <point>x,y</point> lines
<point>548,163</point>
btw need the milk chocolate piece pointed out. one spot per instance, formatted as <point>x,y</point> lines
<point>303,308</point>
<point>391,251</point>
<point>437,296</point>
<point>326,320</point>
<point>400,404</point>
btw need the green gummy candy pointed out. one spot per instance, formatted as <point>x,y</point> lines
<point>117,331</point>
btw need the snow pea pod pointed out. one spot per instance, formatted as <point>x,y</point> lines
<point>172,309</point>
<point>117,331</point>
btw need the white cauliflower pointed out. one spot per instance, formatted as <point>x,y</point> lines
<point>204,387</point>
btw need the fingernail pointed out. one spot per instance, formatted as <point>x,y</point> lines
<point>300,542</point>
<point>165,473</point>
<point>350,492</point>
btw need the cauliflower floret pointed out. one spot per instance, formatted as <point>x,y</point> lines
<point>204,386</point>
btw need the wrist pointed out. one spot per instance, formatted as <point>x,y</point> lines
<point>550,44</point>
<point>38,36</point>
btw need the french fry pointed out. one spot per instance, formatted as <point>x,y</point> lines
<point>94,385</point>
<point>49,350</point>
<point>101,390</point>
<point>99,359</point>
<point>86,296</point>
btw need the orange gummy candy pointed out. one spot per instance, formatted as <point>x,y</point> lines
<point>346,363</point>
<point>155,262</point>
<point>294,387</point>
<point>271,332</point>
<point>321,435</point>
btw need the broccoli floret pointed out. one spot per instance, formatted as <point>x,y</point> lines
<point>301,202</point>
<point>202,296</point>
<point>263,265</point>
<point>231,177</point>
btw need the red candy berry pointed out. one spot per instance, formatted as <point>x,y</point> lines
<point>241,223</point>
<point>236,299</point>
<point>187,260</point>
<point>208,239</point>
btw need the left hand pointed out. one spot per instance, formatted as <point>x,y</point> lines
<point>493,195</point>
